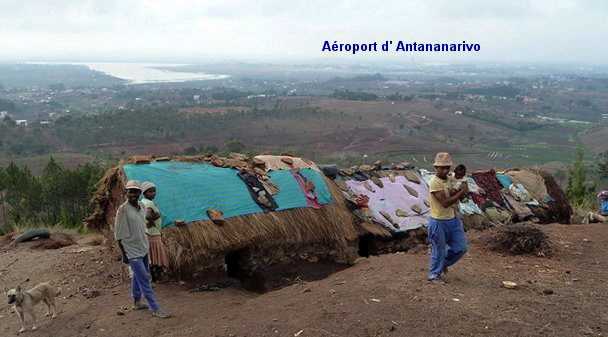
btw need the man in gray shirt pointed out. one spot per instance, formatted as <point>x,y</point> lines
<point>130,232</point>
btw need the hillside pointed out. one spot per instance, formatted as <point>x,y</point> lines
<point>324,129</point>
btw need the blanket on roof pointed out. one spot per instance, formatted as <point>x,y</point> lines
<point>276,162</point>
<point>533,182</point>
<point>488,182</point>
<point>186,190</point>
<point>392,197</point>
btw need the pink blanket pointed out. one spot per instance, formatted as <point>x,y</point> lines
<point>394,196</point>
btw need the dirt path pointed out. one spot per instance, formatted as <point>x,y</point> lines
<point>380,296</point>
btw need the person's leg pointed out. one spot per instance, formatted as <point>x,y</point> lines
<point>135,288</point>
<point>436,237</point>
<point>140,273</point>
<point>146,260</point>
<point>456,241</point>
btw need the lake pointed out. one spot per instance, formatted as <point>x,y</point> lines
<point>137,73</point>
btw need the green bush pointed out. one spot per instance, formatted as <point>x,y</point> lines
<point>579,191</point>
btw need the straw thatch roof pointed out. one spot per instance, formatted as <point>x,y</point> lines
<point>332,224</point>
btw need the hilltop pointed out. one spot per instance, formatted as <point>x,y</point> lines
<point>384,295</point>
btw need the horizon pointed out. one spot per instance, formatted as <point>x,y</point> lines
<point>187,31</point>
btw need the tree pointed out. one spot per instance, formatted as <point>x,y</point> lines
<point>52,181</point>
<point>578,191</point>
<point>58,196</point>
<point>234,145</point>
<point>602,165</point>
<point>190,150</point>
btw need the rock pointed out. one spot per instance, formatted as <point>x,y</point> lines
<point>368,186</point>
<point>91,240</point>
<point>307,290</point>
<point>120,313</point>
<point>548,291</point>
<point>89,292</point>
<point>287,160</point>
<point>378,182</point>
<point>332,291</point>
<point>346,172</point>
<point>360,260</point>
<point>400,213</point>
<point>313,259</point>
<point>411,191</point>
<point>258,162</point>
<point>417,209</point>
<point>509,284</point>
<point>238,156</point>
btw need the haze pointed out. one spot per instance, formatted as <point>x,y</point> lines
<point>563,31</point>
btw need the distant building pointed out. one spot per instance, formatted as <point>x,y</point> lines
<point>45,123</point>
<point>528,99</point>
<point>3,114</point>
<point>196,97</point>
<point>21,122</point>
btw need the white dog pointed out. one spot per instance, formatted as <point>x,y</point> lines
<point>25,301</point>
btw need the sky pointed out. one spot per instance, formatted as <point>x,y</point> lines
<point>515,31</point>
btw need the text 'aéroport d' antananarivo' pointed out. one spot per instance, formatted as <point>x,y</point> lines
<point>398,46</point>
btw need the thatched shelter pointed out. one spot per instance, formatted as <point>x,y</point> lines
<point>390,204</point>
<point>251,241</point>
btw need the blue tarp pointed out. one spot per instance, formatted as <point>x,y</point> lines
<point>186,190</point>
<point>604,207</point>
<point>504,180</point>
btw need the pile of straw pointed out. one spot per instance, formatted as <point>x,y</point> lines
<point>520,238</point>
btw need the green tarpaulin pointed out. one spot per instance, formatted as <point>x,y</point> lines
<point>186,190</point>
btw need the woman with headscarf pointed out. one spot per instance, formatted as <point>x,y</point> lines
<point>158,255</point>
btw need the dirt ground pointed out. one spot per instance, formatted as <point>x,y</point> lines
<point>564,295</point>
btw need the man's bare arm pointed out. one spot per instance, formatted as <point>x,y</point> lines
<point>446,201</point>
<point>151,215</point>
